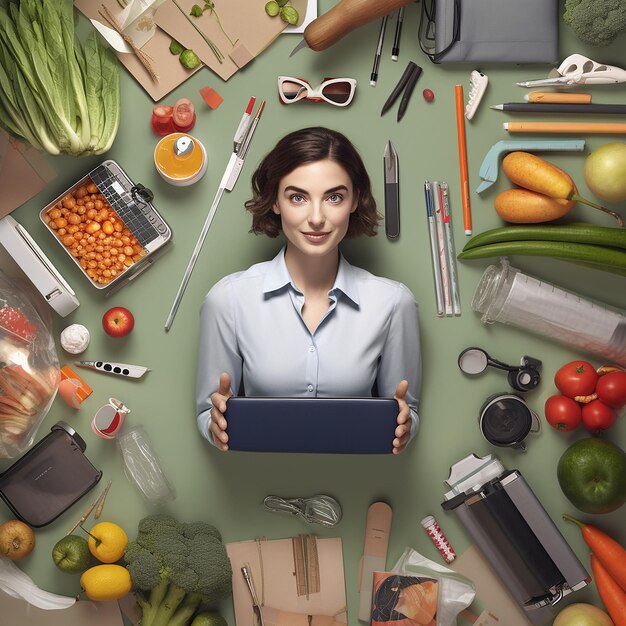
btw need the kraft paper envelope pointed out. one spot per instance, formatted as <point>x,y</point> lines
<point>24,172</point>
<point>272,565</point>
<point>17,611</point>
<point>489,588</point>
<point>245,22</point>
<point>171,73</point>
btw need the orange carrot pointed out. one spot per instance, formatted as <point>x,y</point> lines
<point>612,595</point>
<point>610,553</point>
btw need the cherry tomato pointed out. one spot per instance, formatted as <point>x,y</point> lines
<point>611,389</point>
<point>562,413</point>
<point>577,378</point>
<point>183,115</point>
<point>598,416</point>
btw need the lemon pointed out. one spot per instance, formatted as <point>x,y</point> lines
<point>106,582</point>
<point>107,542</point>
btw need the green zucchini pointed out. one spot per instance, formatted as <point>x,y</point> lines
<point>574,233</point>
<point>605,258</point>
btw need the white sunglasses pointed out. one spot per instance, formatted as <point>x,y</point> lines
<point>336,91</point>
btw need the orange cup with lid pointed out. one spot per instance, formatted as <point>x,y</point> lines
<point>180,159</point>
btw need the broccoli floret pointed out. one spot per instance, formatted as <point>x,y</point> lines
<point>596,22</point>
<point>175,567</point>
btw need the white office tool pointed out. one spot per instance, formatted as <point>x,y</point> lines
<point>119,369</point>
<point>478,86</point>
<point>576,70</point>
<point>36,265</point>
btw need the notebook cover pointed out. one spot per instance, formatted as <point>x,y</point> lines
<point>319,425</point>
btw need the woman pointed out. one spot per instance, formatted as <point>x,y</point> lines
<point>307,323</point>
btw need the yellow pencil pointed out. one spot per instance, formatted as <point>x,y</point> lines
<point>558,97</point>
<point>605,128</point>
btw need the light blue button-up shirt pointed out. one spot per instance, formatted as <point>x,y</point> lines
<point>251,327</point>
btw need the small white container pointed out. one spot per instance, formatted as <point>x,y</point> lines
<point>180,159</point>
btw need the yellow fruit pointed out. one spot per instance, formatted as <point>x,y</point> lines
<point>107,542</point>
<point>106,582</point>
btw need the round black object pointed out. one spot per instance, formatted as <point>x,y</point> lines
<point>505,420</point>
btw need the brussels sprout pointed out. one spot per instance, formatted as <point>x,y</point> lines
<point>272,8</point>
<point>175,47</point>
<point>289,14</point>
<point>189,59</point>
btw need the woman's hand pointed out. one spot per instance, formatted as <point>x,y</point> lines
<point>403,429</point>
<point>218,421</point>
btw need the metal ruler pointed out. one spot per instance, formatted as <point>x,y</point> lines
<point>306,564</point>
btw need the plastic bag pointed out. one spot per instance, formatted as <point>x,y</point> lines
<point>455,592</point>
<point>29,368</point>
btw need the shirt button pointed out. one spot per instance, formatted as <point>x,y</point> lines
<point>310,388</point>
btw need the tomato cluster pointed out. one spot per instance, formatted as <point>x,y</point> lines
<point>179,118</point>
<point>587,396</point>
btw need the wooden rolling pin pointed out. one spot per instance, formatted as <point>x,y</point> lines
<point>344,17</point>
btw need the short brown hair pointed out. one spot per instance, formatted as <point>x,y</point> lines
<point>299,148</point>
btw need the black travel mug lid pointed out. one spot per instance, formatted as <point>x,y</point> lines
<point>505,420</point>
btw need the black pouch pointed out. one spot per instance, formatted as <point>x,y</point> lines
<point>49,478</point>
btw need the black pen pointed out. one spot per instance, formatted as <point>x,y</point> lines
<point>546,107</point>
<point>379,51</point>
<point>404,102</point>
<point>395,51</point>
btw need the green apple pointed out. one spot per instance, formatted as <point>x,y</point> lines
<point>582,614</point>
<point>71,554</point>
<point>592,475</point>
<point>605,171</point>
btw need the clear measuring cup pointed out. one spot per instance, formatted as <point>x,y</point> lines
<point>504,294</point>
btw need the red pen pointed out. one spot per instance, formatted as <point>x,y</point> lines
<point>242,129</point>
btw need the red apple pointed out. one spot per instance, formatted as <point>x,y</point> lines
<point>118,321</point>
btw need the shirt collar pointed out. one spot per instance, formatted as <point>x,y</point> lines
<point>277,277</point>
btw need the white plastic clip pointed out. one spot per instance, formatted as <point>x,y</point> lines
<point>478,85</point>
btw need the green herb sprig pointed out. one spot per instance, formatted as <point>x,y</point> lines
<point>209,5</point>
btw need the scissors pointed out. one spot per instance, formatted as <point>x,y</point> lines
<point>577,69</point>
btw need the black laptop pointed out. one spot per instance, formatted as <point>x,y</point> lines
<point>320,425</point>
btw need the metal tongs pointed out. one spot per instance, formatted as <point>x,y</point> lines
<point>577,69</point>
<point>318,509</point>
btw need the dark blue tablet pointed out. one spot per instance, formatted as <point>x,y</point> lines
<point>321,425</point>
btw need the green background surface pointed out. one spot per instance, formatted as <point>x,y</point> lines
<point>228,489</point>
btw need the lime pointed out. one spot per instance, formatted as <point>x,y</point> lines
<point>71,554</point>
<point>209,619</point>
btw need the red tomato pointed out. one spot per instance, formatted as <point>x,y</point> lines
<point>184,115</point>
<point>611,389</point>
<point>577,378</point>
<point>163,112</point>
<point>598,416</point>
<point>162,120</point>
<point>562,413</point>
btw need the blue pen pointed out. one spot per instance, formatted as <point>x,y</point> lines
<point>434,251</point>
